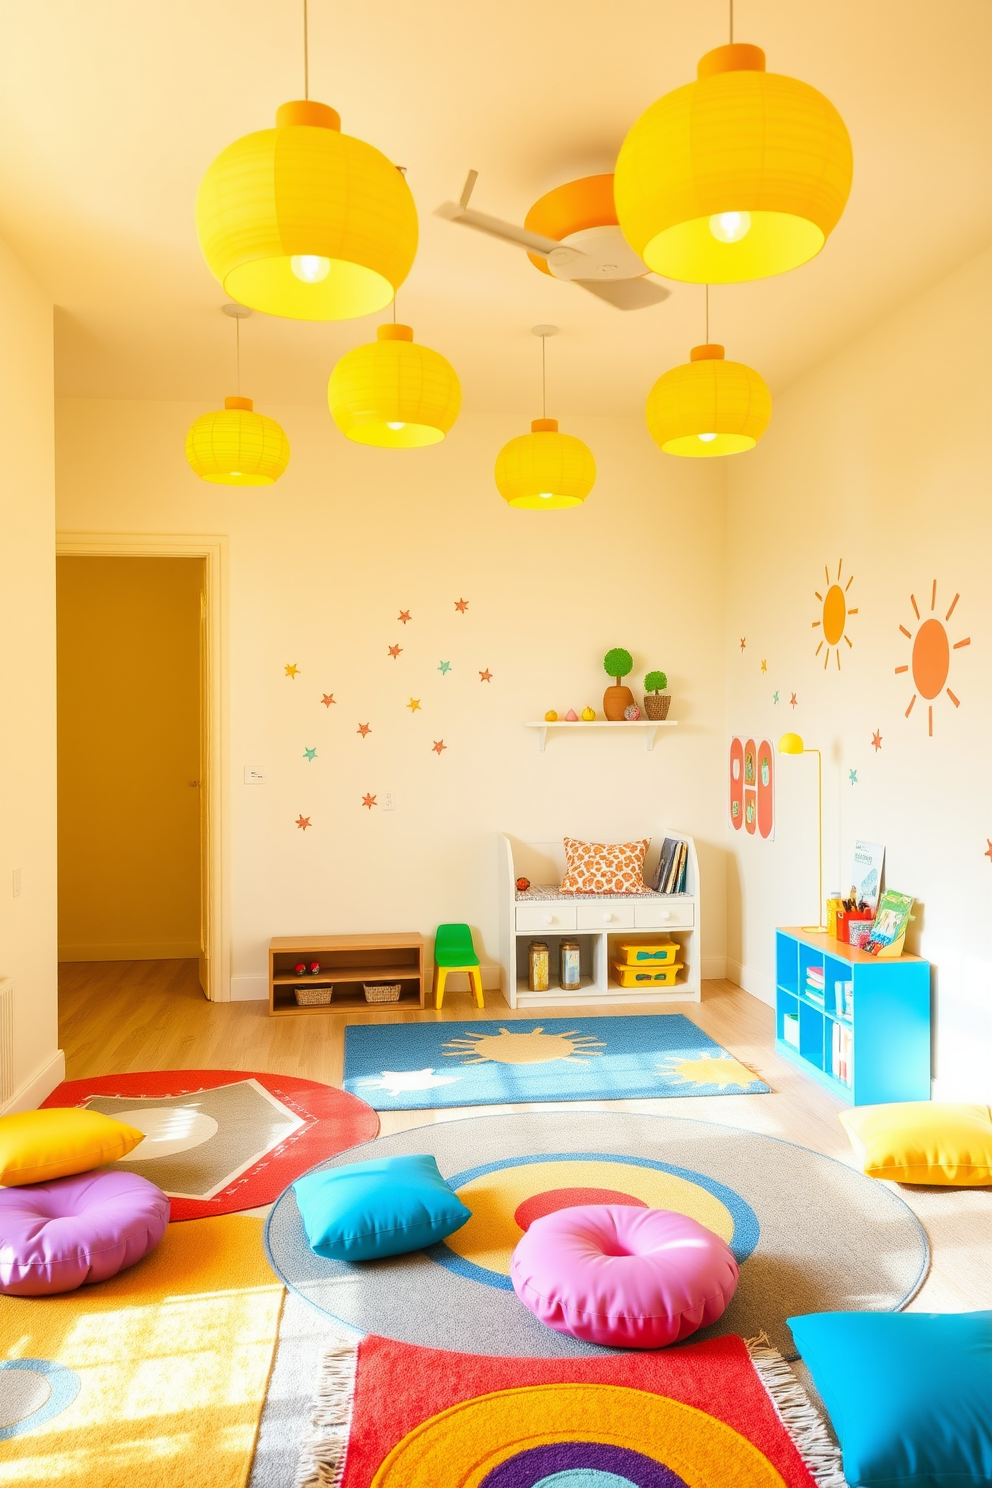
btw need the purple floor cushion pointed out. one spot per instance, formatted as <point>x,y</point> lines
<point>57,1236</point>
<point>632,1278</point>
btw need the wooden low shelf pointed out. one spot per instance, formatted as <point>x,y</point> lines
<point>346,962</point>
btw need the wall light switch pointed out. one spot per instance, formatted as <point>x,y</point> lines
<point>16,883</point>
<point>255,777</point>
<point>389,800</point>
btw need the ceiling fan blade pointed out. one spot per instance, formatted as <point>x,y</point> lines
<point>626,294</point>
<point>495,228</point>
<point>468,188</point>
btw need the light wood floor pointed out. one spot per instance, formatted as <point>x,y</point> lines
<point>120,1016</point>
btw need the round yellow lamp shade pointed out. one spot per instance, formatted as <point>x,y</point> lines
<point>307,222</point>
<point>708,406</point>
<point>394,393</point>
<point>545,470</point>
<point>790,744</point>
<point>742,174</point>
<point>237,447</point>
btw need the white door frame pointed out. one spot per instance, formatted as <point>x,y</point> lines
<point>213,549</point>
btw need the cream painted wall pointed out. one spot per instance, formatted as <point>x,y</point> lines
<point>128,747</point>
<point>880,458</point>
<point>320,567</point>
<point>27,684</point>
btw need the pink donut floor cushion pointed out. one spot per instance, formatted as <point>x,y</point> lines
<point>623,1276</point>
<point>57,1236</point>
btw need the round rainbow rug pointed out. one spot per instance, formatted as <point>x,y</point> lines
<point>809,1234</point>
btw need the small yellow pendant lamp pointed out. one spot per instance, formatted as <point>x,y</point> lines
<point>742,174</point>
<point>304,221</point>
<point>708,406</point>
<point>236,446</point>
<point>394,393</point>
<point>545,470</point>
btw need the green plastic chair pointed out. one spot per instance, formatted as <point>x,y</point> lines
<point>455,951</point>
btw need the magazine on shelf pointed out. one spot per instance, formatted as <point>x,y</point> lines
<point>669,850</point>
<point>891,918</point>
<point>867,873</point>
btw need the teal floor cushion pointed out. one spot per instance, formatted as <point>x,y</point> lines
<point>364,1211</point>
<point>909,1394</point>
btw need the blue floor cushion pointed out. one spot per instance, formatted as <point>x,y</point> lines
<point>909,1394</point>
<point>364,1211</point>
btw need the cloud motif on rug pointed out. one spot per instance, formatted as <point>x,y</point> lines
<point>535,1047</point>
<point>722,1070</point>
<point>396,1081</point>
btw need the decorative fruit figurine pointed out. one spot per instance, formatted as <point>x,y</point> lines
<point>571,716</point>
<point>588,714</point>
<point>655,705</point>
<point>300,968</point>
<point>315,968</point>
<point>551,716</point>
<point>617,663</point>
<point>632,714</point>
<point>523,884</point>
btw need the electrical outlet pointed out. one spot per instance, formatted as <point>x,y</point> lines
<point>16,883</point>
<point>389,800</point>
<point>255,777</point>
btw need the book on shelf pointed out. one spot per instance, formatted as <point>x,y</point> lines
<point>891,919</point>
<point>815,976</point>
<point>669,848</point>
<point>867,874</point>
<point>670,876</point>
<point>841,1062</point>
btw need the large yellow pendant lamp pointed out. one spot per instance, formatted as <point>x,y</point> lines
<point>394,393</point>
<point>304,221</point>
<point>545,470</point>
<point>742,174</point>
<point>236,446</point>
<point>708,406</point>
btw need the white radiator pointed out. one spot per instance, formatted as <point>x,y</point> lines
<point>6,1040</point>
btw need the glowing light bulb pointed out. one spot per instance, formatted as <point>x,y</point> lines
<point>545,495</point>
<point>730,227</point>
<point>310,267</point>
<point>395,426</point>
<point>706,438</point>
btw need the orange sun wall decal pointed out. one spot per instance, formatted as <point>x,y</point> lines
<point>930,662</point>
<point>834,610</point>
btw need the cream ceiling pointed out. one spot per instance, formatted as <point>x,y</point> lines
<point>110,110</point>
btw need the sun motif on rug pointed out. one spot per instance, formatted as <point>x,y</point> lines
<point>721,1070</point>
<point>396,1081</point>
<point>535,1047</point>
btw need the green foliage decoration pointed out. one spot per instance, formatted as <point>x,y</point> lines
<point>618,664</point>
<point>655,682</point>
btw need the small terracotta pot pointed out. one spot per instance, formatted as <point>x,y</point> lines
<point>615,700</point>
<point>656,704</point>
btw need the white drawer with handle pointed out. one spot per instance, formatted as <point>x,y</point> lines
<point>660,914</point>
<point>550,916</point>
<point>602,915</point>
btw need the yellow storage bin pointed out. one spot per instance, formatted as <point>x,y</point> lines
<point>646,976</point>
<point>649,953</point>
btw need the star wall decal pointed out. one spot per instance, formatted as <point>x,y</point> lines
<point>309,754</point>
<point>438,745</point>
<point>369,801</point>
<point>988,851</point>
<point>414,705</point>
<point>876,740</point>
<point>486,676</point>
<point>852,775</point>
<point>291,669</point>
<point>774,697</point>
<point>764,666</point>
<point>302,822</point>
<point>363,729</point>
<point>461,605</point>
<point>743,642</point>
<point>404,616</point>
<point>793,701</point>
<point>327,699</point>
<point>444,667</point>
<point>394,651</point>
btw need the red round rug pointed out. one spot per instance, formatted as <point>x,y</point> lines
<point>217,1141</point>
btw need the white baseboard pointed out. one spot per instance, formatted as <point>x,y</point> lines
<point>252,988</point>
<point>756,982</point>
<point>156,950</point>
<point>713,968</point>
<point>39,1087</point>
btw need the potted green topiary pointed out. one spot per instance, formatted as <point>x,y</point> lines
<point>655,705</point>
<point>618,664</point>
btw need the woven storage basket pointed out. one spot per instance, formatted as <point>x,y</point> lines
<point>657,704</point>
<point>312,996</point>
<point>388,992</point>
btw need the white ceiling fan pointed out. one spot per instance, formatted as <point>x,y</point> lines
<point>597,257</point>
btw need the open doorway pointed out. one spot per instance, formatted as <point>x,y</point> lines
<point>133,772</point>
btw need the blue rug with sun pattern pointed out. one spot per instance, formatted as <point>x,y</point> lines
<point>419,1066</point>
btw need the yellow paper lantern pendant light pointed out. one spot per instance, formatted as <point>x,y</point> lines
<point>708,406</point>
<point>545,470</point>
<point>235,446</point>
<point>742,174</point>
<point>394,393</point>
<point>304,221</point>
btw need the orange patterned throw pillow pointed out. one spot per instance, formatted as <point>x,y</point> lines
<point>604,867</point>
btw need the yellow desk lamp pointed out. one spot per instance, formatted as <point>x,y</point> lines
<point>793,744</point>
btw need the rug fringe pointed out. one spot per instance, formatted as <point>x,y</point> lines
<point>323,1450</point>
<point>797,1413</point>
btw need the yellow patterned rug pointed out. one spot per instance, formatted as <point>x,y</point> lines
<point>155,1379</point>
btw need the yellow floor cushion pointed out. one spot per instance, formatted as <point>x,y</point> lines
<point>38,1145</point>
<point>923,1142</point>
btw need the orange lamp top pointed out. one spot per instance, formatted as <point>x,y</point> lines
<point>245,403</point>
<point>307,111</point>
<point>712,352</point>
<point>390,332</point>
<point>544,426</point>
<point>739,56</point>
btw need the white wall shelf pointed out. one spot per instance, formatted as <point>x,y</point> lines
<point>649,726</point>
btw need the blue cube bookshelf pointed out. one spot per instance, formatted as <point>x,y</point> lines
<point>889,1026</point>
